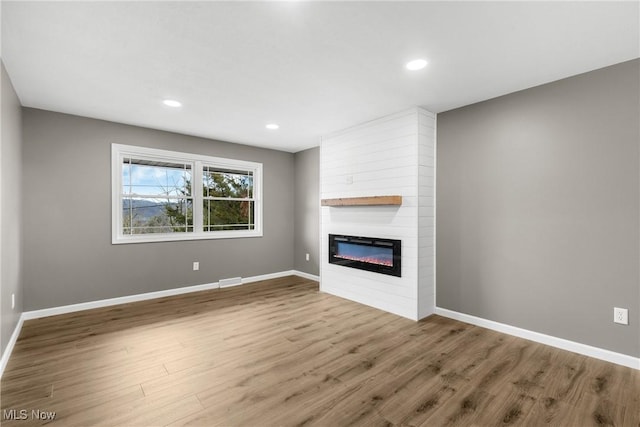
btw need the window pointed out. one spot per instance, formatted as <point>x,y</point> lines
<point>228,199</point>
<point>154,198</point>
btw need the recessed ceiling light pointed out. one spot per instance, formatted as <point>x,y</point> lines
<point>172,103</point>
<point>272,126</point>
<point>416,64</point>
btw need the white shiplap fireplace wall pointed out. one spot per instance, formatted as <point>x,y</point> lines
<point>394,155</point>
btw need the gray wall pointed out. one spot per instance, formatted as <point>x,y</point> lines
<point>67,216</point>
<point>307,211</point>
<point>10,215</point>
<point>538,208</point>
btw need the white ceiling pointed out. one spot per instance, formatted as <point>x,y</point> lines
<point>312,67</point>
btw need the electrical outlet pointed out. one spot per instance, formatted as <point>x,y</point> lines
<point>307,257</point>
<point>621,315</point>
<point>196,266</point>
<point>13,301</point>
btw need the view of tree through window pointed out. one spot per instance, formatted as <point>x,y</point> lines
<point>228,203</point>
<point>156,195</point>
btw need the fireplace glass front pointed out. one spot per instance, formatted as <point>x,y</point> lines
<point>366,253</point>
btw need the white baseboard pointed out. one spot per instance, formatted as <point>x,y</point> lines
<point>587,350</point>
<point>584,349</point>
<point>53,311</point>
<point>12,342</point>
<point>305,275</point>
<point>267,276</point>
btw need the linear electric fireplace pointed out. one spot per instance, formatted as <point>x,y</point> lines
<point>366,253</point>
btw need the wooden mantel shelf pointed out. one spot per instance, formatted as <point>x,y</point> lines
<point>364,201</point>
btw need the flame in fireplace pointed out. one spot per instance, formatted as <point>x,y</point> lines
<point>364,253</point>
<point>370,260</point>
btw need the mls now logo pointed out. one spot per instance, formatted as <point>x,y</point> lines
<point>23,414</point>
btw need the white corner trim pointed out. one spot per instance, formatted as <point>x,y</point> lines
<point>575,347</point>
<point>12,342</point>
<point>305,275</point>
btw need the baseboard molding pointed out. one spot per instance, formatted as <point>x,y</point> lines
<point>305,275</point>
<point>12,342</point>
<point>267,276</point>
<point>587,350</point>
<point>575,347</point>
<point>54,311</point>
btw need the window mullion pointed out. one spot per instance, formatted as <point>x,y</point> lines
<point>196,192</point>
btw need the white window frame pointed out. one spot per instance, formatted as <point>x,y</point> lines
<point>119,152</point>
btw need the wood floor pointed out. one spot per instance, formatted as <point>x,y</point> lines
<point>279,353</point>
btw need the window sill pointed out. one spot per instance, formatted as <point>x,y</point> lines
<point>149,238</point>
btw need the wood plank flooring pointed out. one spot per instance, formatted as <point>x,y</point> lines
<point>279,353</point>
